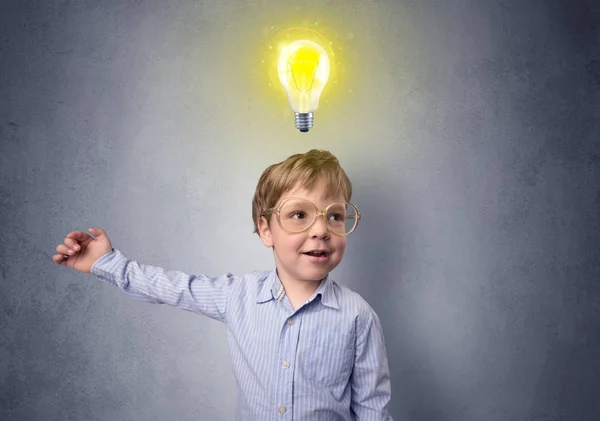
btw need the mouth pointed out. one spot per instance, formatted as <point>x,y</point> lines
<point>317,253</point>
<point>317,256</point>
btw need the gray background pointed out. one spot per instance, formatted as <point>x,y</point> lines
<point>470,130</point>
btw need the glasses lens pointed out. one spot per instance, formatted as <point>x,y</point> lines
<point>296,215</point>
<point>341,218</point>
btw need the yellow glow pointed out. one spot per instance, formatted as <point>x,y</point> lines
<point>303,70</point>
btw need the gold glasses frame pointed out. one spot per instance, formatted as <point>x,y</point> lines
<point>277,211</point>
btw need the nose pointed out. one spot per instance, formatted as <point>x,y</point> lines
<point>319,228</point>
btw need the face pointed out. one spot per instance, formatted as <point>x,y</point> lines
<point>289,249</point>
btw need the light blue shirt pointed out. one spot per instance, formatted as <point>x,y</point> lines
<point>324,361</point>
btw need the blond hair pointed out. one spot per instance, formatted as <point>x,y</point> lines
<point>303,170</point>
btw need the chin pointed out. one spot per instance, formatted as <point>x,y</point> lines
<point>316,277</point>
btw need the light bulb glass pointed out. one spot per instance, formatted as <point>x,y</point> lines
<point>301,61</point>
<point>303,70</point>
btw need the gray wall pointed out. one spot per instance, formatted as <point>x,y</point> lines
<point>469,128</point>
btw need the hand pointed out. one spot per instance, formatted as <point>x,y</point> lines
<point>80,250</point>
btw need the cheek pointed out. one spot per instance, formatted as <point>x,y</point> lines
<point>289,243</point>
<point>341,246</point>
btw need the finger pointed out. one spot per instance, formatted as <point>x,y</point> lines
<point>78,235</point>
<point>72,244</point>
<point>62,249</point>
<point>59,259</point>
<point>97,232</point>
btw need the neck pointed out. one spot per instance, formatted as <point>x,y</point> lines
<point>299,292</point>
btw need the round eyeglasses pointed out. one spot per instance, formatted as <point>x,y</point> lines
<point>296,215</point>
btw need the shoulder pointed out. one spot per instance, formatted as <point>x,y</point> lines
<point>352,303</point>
<point>367,325</point>
<point>256,277</point>
<point>253,282</point>
<point>348,298</point>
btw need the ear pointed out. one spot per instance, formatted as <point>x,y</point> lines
<point>265,232</point>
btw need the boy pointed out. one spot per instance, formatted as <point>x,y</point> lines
<point>303,347</point>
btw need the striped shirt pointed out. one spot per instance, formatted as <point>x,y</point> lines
<point>323,361</point>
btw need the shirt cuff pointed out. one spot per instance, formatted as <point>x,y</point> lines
<point>108,265</point>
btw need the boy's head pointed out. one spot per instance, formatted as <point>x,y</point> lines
<point>288,197</point>
<point>303,170</point>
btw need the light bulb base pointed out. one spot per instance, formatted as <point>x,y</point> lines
<point>304,121</point>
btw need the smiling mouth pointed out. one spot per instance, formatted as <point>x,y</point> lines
<point>315,253</point>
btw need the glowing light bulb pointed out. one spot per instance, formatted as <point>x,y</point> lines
<point>303,69</point>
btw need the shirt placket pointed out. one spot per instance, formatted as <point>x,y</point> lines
<point>288,344</point>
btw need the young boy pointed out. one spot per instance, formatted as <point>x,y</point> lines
<point>303,347</point>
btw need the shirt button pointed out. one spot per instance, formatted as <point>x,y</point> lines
<point>285,365</point>
<point>281,409</point>
<point>290,321</point>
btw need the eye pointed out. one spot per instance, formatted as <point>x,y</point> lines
<point>336,217</point>
<point>298,215</point>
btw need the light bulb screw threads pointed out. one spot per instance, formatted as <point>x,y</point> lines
<point>304,121</point>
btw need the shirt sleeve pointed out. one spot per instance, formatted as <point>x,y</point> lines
<point>370,380</point>
<point>195,293</point>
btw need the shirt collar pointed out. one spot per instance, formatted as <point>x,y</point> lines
<point>327,293</point>
<point>273,289</point>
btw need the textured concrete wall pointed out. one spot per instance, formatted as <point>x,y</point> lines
<point>469,128</point>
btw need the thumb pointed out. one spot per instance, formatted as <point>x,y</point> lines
<point>98,233</point>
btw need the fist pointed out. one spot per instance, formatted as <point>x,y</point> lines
<point>80,250</point>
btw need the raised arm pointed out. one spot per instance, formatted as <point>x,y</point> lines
<point>94,254</point>
<point>196,293</point>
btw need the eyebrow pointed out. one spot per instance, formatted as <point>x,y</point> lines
<point>304,198</point>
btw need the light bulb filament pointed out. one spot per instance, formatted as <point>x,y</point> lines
<point>298,68</point>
